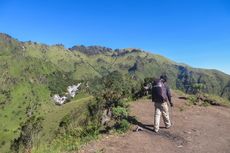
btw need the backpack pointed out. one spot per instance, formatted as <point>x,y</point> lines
<point>159,93</point>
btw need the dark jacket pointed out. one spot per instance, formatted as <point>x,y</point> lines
<point>168,94</point>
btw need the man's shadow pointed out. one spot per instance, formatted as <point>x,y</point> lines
<point>134,121</point>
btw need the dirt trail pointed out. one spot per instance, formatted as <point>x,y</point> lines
<point>195,130</point>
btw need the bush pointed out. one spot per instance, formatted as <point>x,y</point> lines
<point>124,102</point>
<point>198,87</point>
<point>112,88</point>
<point>119,113</point>
<point>29,131</point>
<point>192,99</point>
<point>122,126</point>
<point>59,81</point>
<point>90,132</point>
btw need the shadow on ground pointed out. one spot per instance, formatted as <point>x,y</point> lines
<point>180,141</point>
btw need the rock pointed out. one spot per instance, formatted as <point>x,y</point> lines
<point>139,129</point>
<point>105,117</point>
<point>72,90</point>
<point>91,50</point>
<point>59,100</point>
<point>180,146</point>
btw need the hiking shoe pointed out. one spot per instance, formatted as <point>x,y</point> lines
<point>156,131</point>
<point>168,126</point>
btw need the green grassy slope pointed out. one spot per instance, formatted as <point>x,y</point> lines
<point>31,73</point>
<point>139,63</point>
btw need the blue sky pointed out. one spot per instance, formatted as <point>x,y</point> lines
<point>195,32</point>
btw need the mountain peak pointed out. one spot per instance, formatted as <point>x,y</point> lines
<point>5,37</point>
<point>91,50</point>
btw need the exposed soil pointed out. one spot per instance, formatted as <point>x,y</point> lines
<point>196,129</point>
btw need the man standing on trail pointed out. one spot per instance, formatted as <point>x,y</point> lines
<point>160,95</point>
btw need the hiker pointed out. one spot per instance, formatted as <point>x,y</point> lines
<point>160,95</point>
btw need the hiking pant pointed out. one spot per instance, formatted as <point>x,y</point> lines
<point>161,108</point>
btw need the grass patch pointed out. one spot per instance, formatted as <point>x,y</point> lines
<point>53,118</point>
<point>207,100</point>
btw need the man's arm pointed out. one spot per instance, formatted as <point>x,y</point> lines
<point>169,95</point>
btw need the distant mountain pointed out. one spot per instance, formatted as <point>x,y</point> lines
<point>91,50</point>
<point>32,72</point>
<point>84,62</point>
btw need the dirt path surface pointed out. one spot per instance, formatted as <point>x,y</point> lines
<point>195,130</point>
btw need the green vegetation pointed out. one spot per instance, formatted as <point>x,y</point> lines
<point>75,128</point>
<point>122,126</point>
<point>119,113</point>
<point>32,73</point>
<point>112,96</point>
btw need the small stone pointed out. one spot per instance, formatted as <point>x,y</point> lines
<point>187,132</point>
<point>180,146</point>
<point>139,129</point>
<point>194,130</point>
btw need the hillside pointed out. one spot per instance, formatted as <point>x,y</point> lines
<point>87,62</point>
<point>31,73</point>
<point>195,129</point>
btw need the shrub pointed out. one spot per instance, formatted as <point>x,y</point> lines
<point>119,113</point>
<point>112,88</point>
<point>123,102</point>
<point>3,143</point>
<point>122,126</point>
<point>198,87</point>
<point>90,132</point>
<point>58,82</point>
<point>29,131</point>
<point>192,99</point>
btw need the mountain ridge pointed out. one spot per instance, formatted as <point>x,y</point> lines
<point>33,72</point>
<point>97,49</point>
<point>97,60</point>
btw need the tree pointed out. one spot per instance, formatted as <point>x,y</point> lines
<point>29,131</point>
<point>198,87</point>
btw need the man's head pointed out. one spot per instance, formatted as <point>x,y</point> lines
<point>164,77</point>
